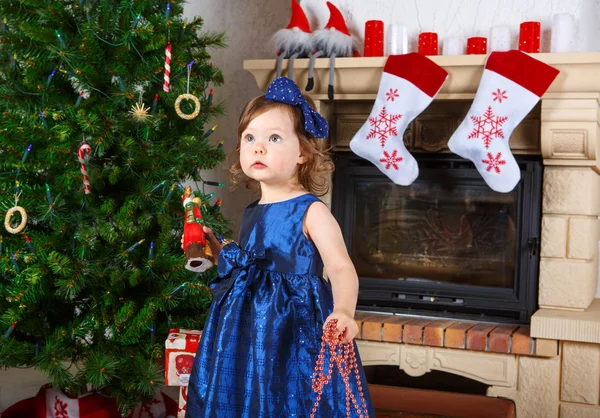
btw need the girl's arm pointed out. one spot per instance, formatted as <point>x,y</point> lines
<point>322,228</point>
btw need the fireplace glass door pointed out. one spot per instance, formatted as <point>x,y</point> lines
<point>447,244</point>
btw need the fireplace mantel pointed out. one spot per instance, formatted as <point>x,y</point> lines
<point>358,78</point>
<point>570,147</point>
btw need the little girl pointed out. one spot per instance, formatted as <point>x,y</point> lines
<point>263,334</point>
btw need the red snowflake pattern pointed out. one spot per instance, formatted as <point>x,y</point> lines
<point>383,126</point>
<point>392,94</point>
<point>494,163</point>
<point>499,95</point>
<point>487,127</point>
<point>391,160</point>
<point>60,408</point>
<point>147,409</point>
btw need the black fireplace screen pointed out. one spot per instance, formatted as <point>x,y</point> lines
<point>446,245</point>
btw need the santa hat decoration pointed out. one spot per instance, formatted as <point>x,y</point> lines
<point>332,41</point>
<point>294,41</point>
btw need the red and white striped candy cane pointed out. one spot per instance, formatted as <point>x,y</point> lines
<point>167,67</point>
<point>83,149</point>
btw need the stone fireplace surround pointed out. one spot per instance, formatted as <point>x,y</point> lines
<point>558,373</point>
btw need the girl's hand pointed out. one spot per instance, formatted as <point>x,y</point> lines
<point>215,245</point>
<point>345,325</point>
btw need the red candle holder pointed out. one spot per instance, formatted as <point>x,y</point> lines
<point>374,38</point>
<point>428,43</point>
<point>529,37</point>
<point>476,45</point>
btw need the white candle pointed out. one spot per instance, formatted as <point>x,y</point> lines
<point>453,46</point>
<point>397,39</point>
<point>563,33</point>
<point>500,38</point>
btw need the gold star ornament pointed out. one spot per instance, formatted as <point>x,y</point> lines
<point>140,112</point>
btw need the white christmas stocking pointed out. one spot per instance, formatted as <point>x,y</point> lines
<point>408,85</point>
<point>511,85</point>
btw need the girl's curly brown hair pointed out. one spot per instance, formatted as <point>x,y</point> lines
<point>313,175</point>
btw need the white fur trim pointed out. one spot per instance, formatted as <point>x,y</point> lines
<point>186,201</point>
<point>77,86</point>
<point>292,41</point>
<point>333,42</point>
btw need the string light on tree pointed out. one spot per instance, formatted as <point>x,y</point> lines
<point>79,99</point>
<point>155,188</point>
<point>14,262</point>
<point>210,97</point>
<point>214,183</point>
<point>182,32</point>
<point>60,39</point>
<point>209,132</point>
<point>25,154</point>
<point>136,20</point>
<point>43,119</point>
<point>154,104</point>
<point>134,246</point>
<point>169,194</point>
<point>29,244</point>
<point>151,251</point>
<point>49,196</point>
<point>49,80</point>
<point>10,330</point>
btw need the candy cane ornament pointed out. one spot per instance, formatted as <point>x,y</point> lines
<point>167,79</point>
<point>83,149</point>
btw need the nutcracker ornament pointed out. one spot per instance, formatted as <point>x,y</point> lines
<point>198,256</point>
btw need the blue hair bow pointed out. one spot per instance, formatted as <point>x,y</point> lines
<point>284,90</point>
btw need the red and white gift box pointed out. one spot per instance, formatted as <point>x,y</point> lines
<point>180,352</point>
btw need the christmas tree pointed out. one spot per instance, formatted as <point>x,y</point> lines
<point>95,146</point>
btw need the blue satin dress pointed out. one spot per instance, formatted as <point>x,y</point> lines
<point>263,333</point>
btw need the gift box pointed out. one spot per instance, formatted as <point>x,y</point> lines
<point>180,351</point>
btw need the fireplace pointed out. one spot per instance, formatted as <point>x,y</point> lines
<point>550,368</point>
<point>445,246</point>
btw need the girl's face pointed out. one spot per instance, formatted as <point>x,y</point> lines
<point>270,149</point>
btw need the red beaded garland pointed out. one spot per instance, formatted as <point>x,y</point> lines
<point>344,357</point>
